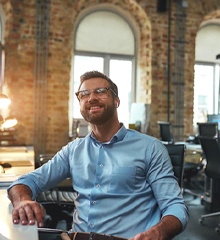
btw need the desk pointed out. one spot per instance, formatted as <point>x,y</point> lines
<point>193,152</point>
<point>20,159</point>
<point>193,147</point>
<point>10,231</point>
<point>7,179</point>
<point>17,156</point>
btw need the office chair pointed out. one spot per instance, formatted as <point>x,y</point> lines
<point>165,132</point>
<point>58,201</point>
<point>208,129</point>
<point>177,153</point>
<point>211,151</point>
<point>190,169</point>
<point>80,128</point>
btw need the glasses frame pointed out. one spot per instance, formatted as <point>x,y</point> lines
<point>93,90</point>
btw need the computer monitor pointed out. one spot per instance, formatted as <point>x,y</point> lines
<point>214,118</point>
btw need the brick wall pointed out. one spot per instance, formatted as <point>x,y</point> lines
<point>152,28</point>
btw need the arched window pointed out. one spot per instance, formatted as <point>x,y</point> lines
<point>105,41</point>
<point>207,70</point>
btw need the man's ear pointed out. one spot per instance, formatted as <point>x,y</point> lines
<point>117,102</point>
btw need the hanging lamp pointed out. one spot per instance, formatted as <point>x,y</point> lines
<point>9,122</point>
<point>4,101</point>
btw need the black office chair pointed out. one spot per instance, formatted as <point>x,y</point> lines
<point>211,149</point>
<point>208,129</point>
<point>80,128</point>
<point>190,169</point>
<point>177,153</point>
<point>165,132</point>
<point>58,201</point>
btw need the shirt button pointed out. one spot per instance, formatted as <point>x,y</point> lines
<point>98,185</point>
<point>101,165</point>
<point>94,202</point>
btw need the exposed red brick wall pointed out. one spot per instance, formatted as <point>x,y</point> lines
<point>152,60</point>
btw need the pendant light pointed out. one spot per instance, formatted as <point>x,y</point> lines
<point>4,101</point>
<point>9,122</point>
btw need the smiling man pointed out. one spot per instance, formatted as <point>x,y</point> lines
<point>124,179</point>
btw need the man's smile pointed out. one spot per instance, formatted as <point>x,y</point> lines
<point>95,108</point>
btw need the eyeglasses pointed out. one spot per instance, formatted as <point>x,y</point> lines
<point>99,92</point>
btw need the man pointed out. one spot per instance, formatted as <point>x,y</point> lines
<point>124,179</point>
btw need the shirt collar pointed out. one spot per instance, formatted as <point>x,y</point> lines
<point>119,136</point>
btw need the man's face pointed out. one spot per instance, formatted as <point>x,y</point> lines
<point>97,108</point>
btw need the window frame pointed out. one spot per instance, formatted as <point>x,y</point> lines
<point>106,58</point>
<point>215,83</point>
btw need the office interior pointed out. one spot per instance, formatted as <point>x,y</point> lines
<point>164,55</point>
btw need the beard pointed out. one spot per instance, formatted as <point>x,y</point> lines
<point>99,118</point>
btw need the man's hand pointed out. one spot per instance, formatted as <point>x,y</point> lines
<point>166,229</point>
<point>151,234</point>
<point>27,212</point>
<point>65,236</point>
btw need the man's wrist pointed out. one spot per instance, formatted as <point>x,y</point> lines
<point>19,193</point>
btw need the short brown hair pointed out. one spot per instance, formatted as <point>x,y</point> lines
<point>96,74</point>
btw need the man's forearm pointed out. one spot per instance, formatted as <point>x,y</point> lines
<point>19,193</point>
<point>170,226</point>
<point>166,229</point>
<point>25,210</point>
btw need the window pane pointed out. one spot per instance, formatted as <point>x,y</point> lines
<point>110,27</point>
<point>203,92</point>
<point>83,64</point>
<point>121,74</point>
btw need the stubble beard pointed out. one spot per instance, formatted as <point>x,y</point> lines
<point>99,118</point>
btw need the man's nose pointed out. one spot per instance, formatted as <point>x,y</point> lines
<point>92,95</point>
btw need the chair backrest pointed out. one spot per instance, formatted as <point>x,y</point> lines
<point>177,153</point>
<point>208,129</point>
<point>211,150</point>
<point>43,158</point>
<point>140,112</point>
<point>165,132</point>
<point>80,128</point>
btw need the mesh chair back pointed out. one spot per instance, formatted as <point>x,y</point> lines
<point>208,129</point>
<point>211,150</point>
<point>165,132</point>
<point>177,153</point>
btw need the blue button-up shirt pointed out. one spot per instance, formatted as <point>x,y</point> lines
<point>124,186</point>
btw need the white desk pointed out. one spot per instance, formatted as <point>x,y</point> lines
<point>193,152</point>
<point>10,231</point>
<point>194,147</point>
<point>21,160</point>
<point>189,146</point>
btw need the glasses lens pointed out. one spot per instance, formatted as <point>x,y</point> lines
<point>83,94</point>
<point>99,92</point>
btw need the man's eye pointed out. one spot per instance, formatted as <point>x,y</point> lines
<point>100,90</point>
<point>85,93</point>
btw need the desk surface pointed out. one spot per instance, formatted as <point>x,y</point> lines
<point>193,147</point>
<point>10,231</point>
<point>189,146</point>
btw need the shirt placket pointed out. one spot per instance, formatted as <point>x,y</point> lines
<point>94,202</point>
